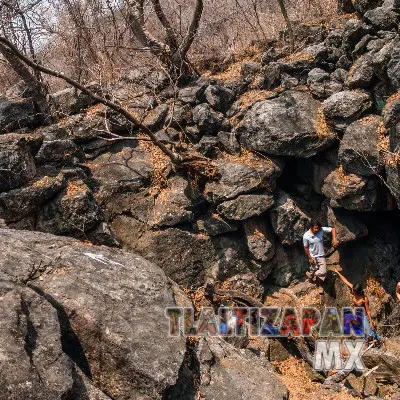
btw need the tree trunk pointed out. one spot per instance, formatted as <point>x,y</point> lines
<point>37,88</point>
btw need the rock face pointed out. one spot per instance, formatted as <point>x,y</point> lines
<point>218,363</point>
<point>90,304</point>
<point>288,126</point>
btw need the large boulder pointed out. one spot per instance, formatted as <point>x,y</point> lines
<point>289,221</point>
<point>16,161</point>
<point>359,148</point>
<point>95,299</point>
<point>246,206</point>
<point>235,178</point>
<point>224,372</point>
<point>291,125</point>
<point>17,114</point>
<point>345,107</point>
<point>351,191</point>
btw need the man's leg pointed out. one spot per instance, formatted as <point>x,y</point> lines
<point>320,273</point>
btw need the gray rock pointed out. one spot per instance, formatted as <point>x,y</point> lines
<point>351,191</point>
<point>382,18</point>
<point>288,265</point>
<point>174,205</point>
<point>179,115</point>
<point>352,32</point>
<point>219,97</point>
<point>249,69</point>
<point>155,118</point>
<point>23,202</point>
<point>33,363</point>
<point>235,179</point>
<point>391,112</point>
<point>260,238</point>
<point>345,107</point>
<point>213,224</point>
<point>245,206</point>
<point>363,6</point>
<point>207,120</point>
<point>103,298</point>
<point>361,73</point>
<point>191,95</point>
<point>272,75</point>
<point>391,4</point>
<point>124,167</point>
<point>288,220</point>
<point>64,150</point>
<point>343,63</point>
<point>74,211</point>
<point>359,149</point>
<point>208,146</point>
<point>228,142</point>
<point>320,84</point>
<point>17,114</point>
<point>290,125</point>
<point>219,365</point>
<point>393,68</point>
<point>348,227</point>
<point>16,162</point>
<point>315,173</point>
<point>393,176</point>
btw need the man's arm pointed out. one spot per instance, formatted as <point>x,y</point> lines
<point>335,242</point>
<point>332,231</point>
<point>307,251</point>
<point>368,310</point>
<point>398,291</point>
<point>306,244</point>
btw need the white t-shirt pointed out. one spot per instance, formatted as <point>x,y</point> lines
<point>315,243</point>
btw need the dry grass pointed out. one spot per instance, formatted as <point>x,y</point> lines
<point>299,56</point>
<point>394,97</point>
<point>253,96</point>
<point>160,162</point>
<point>322,127</point>
<point>292,373</point>
<point>248,158</point>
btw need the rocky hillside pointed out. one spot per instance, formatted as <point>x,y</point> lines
<point>315,134</point>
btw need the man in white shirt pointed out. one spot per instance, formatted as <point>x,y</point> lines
<point>313,241</point>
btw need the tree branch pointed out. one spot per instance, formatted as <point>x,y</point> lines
<point>175,158</point>
<point>192,31</point>
<point>172,40</point>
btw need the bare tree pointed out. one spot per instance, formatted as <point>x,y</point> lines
<point>288,24</point>
<point>173,51</point>
<point>31,77</point>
